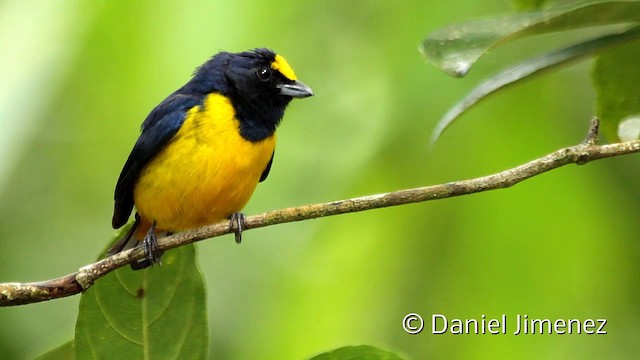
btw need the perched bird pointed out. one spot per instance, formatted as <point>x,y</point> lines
<point>203,150</point>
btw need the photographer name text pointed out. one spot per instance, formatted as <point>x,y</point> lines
<point>520,324</point>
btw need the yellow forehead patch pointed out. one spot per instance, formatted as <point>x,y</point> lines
<point>283,66</point>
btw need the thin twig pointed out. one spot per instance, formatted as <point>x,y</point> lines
<point>589,150</point>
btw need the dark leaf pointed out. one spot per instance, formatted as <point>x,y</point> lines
<point>361,352</point>
<point>616,75</point>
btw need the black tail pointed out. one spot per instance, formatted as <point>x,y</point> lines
<point>127,241</point>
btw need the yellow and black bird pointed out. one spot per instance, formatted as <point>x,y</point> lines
<point>203,150</point>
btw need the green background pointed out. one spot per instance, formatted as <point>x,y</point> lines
<point>79,77</point>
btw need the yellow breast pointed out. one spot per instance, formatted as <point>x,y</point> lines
<point>207,172</point>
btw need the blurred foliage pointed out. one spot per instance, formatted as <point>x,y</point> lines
<point>528,5</point>
<point>616,75</point>
<point>455,48</point>
<point>362,352</point>
<point>65,351</point>
<point>79,77</point>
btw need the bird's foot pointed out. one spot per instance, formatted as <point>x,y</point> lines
<point>237,219</point>
<point>151,252</point>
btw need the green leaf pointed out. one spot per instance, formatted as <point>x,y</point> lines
<point>528,68</point>
<point>62,352</point>
<point>616,75</point>
<point>528,5</point>
<point>156,313</point>
<point>361,352</point>
<point>454,49</point>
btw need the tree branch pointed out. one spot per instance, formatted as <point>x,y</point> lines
<point>25,293</point>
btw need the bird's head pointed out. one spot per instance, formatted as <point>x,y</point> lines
<point>261,73</point>
<point>259,83</point>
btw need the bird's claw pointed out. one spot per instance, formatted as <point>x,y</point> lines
<point>238,220</point>
<point>151,253</point>
<point>150,246</point>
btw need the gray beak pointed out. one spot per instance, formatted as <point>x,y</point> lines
<point>295,90</point>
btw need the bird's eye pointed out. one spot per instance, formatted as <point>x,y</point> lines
<point>264,73</point>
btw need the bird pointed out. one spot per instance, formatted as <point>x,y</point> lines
<point>203,150</point>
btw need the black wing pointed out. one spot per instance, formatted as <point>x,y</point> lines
<point>157,130</point>
<point>265,173</point>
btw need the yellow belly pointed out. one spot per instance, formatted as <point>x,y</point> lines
<point>206,172</point>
